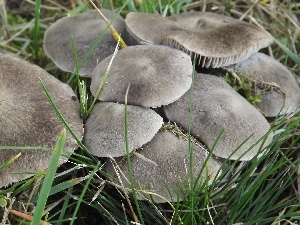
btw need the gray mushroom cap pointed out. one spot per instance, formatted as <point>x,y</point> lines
<point>216,40</point>
<point>104,129</point>
<point>85,28</point>
<point>217,106</point>
<point>164,167</point>
<point>278,86</point>
<point>158,75</point>
<point>27,119</point>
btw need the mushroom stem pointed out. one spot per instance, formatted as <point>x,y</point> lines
<point>115,34</point>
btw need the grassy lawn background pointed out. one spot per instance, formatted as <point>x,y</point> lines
<point>262,191</point>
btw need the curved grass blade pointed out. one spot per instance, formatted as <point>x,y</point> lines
<point>46,186</point>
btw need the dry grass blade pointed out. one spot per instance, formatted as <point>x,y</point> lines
<point>113,30</point>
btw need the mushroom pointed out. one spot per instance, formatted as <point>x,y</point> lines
<point>162,167</point>
<point>158,75</point>
<point>278,86</point>
<point>104,129</point>
<point>217,106</point>
<point>216,40</point>
<point>85,28</point>
<point>27,119</point>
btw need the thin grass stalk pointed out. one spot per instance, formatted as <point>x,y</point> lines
<point>103,79</point>
<point>114,33</point>
<point>292,55</point>
<point>129,162</point>
<point>96,168</point>
<point>36,30</point>
<point>46,186</point>
<point>191,147</point>
<point>65,205</point>
<point>10,161</point>
<point>54,107</point>
<point>94,45</point>
<point>81,86</point>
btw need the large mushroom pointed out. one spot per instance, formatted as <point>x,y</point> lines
<point>217,106</point>
<point>164,168</point>
<point>216,40</point>
<point>104,129</point>
<point>157,75</point>
<point>85,28</point>
<point>27,119</point>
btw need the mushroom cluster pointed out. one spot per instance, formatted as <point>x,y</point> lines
<point>27,119</point>
<point>158,71</point>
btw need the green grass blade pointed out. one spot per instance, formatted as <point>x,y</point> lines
<point>36,30</point>
<point>128,159</point>
<point>103,79</point>
<point>95,43</point>
<point>81,85</point>
<point>292,55</point>
<point>54,107</point>
<point>77,10</point>
<point>80,200</point>
<point>191,147</point>
<point>46,186</point>
<point>10,161</point>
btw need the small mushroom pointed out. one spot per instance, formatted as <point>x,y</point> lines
<point>217,106</point>
<point>277,85</point>
<point>162,167</point>
<point>104,129</point>
<point>27,119</point>
<point>216,40</point>
<point>157,75</point>
<point>85,28</point>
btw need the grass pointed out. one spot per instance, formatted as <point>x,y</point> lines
<point>264,190</point>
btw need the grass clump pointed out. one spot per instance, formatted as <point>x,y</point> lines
<point>264,190</point>
<point>244,85</point>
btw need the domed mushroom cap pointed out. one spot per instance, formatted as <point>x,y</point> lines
<point>104,129</point>
<point>278,86</point>
<point>217,106</point>
<point>166,167</point>
<point>27,119</point>
<point>85,28</point>
<point>158,75</point>
<point>216,40</point>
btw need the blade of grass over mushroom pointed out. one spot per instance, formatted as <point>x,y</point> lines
<point>78,9</point>
<point>191,149</point>
<point>10,161</point>
<point>95,43</point>
<point>292,55</point>
<point>46,186</point>
<point>129,162</point>
<point>36,31</point>
<point>54,107</point>
<point>111,27</point>
<point>103,80</point>
<point>81,85</point>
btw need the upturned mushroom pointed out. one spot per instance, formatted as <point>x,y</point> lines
<point>27,119</point>
<point>217,106</point>
<point>216,40</point>
<point>163,168</point>
<point>85,28</point>
<point>104,129</point>
<point>280,92</point>
<point>157,75</point>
